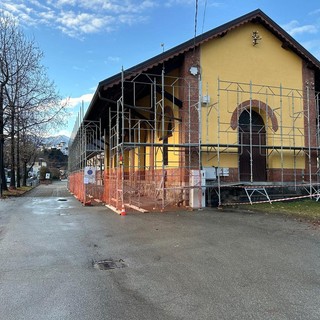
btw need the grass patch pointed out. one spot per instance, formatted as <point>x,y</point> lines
<point>16,192</point>
<point>304,209</point>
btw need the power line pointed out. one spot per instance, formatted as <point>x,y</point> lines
<point>195,24</point>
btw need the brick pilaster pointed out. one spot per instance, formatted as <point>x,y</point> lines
<point>189,94</point>
<point>310,116</point>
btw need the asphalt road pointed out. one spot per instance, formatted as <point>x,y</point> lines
<point>208,264</point>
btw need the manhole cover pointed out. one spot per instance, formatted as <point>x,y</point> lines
<point>62,199</point>
<point>108,264</point>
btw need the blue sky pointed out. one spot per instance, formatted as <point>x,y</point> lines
<point>87,41</point>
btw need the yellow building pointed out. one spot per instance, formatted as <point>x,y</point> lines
<point>236,107</point>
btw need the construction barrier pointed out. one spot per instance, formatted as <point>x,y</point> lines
<point>76,185</point>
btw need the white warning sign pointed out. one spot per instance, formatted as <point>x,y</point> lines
<point>89,175</point>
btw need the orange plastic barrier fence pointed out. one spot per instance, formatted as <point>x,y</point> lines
<point>76,185</point>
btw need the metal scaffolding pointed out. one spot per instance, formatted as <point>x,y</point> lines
<point>164,143</point>
<point>151,149</point>
<point>290,149</point>
<point>86,151</point>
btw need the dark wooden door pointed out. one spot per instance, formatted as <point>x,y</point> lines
<point>252,151</point>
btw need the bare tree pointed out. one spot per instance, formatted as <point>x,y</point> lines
<point>29,152</point>
<point>28,99</point>
<point>7,31</point>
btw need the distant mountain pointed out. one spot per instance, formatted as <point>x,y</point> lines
<point>55,141</point>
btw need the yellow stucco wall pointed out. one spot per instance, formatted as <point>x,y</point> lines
<point>143,156</point>
<point>275,75</point>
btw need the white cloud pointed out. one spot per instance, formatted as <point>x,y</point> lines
<point>314,12</point>
<point>74,24</point>
<point>131,19</point>
<point>38,4</point>
<point>77,101</point>
<point>78,18</point>
<point>62,3</point>
<point>294,28</point>
<point>113,59</point>
<point>10,7</point>
<point>46,17</point>
<point>170,3</point>
<point>118,6</point>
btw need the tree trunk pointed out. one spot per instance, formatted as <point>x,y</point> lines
<point>3,179</point>
<point>25,173</point>
<point>18,152</point>
<point>18,162</point>
<point>13,172</point>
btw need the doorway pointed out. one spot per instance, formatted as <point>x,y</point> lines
<point>252,151</point>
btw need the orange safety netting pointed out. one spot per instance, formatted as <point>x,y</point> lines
<point>76,185</point>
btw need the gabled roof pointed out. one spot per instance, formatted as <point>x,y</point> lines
<point>256,16</point>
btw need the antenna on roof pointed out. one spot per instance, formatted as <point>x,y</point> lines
<point>204,16</point>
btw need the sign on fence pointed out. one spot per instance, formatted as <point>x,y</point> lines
<point>89,175</point>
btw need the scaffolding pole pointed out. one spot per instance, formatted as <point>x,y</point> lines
<point>157,136</point>
<point>286,145</point>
